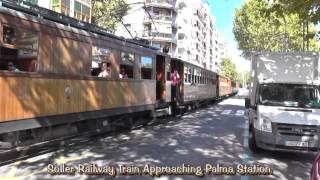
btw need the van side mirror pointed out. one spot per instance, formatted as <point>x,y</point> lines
<point>247,103</point>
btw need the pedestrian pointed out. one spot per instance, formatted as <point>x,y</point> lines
<point>315,170</point>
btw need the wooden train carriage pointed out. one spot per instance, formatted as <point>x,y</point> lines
<point>224,87</point>
<point>58,66</point>
<point>197,84</point>
<point>235,87</point>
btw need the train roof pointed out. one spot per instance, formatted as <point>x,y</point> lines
<point>185,62</point>
<point>45,16</point>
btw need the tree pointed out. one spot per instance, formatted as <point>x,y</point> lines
<point>228,68</point>
<point>257,27</point>
<point>108,13</point>
<point>306,9</point>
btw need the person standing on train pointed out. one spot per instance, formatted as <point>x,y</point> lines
<point>174,85</point>
<point>104,71</point>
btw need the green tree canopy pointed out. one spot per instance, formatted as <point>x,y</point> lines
<point>306,9</point>
<point>108,13</point>
<point>228,68</point>
<point>258,27</point>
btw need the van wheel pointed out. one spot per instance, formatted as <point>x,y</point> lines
<point>252,142</point>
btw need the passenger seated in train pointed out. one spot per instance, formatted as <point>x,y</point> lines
<point>123,74</point>
<point>105,71</point>
<point>19,49</point>
<point>12,67</point>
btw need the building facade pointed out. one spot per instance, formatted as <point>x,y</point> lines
<point>79,9</point>
<point>184,28</point>
<point>153,20</point>
<point>197,35</point>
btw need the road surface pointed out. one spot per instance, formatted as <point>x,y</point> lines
<point>215,135</point>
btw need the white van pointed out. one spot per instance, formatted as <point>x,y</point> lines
<point>284,102</point>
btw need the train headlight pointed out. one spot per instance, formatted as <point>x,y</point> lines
<point>266,125</point>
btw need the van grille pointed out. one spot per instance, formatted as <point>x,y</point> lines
<point>296,130</point>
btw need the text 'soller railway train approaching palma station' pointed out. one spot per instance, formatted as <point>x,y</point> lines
<point>53,88</point>
<point>149,170</point>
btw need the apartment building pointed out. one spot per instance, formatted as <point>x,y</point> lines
<point>79,9</point>
<point>184,28</point>
<point>153,20</point>
<point>197,36</point>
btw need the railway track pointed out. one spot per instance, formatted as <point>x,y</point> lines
<point>8,156</point>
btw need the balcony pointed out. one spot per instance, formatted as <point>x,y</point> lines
<point>161,3</point>
<point>160,17</point>
<point>163,37</point>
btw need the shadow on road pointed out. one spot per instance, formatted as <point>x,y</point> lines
<point>210,135</point>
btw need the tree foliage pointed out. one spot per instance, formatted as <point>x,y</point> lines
<point>259,27</point>
<point>108,13</point>
<point>306,9</point>
<point>228,68</point>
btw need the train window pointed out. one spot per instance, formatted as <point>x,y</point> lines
<point>20,49</point>
<point>126,65</point>
<point>146,67</point>
<point>185,77</point>
<point>189,78</point>
<point>100,62</point>
<point>168,76</point>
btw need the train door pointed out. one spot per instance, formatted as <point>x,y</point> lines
<point>160,77</point>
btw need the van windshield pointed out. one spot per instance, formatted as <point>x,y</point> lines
<point>290,95</point>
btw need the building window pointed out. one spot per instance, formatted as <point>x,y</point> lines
<point>126,65</point>
<point>56,5</point>
<point>157,45</point>
<point>100,59</point>
<point>77,10</point>
<point>81,11</point>
<point>20,49</point>
<point>146,67</point>
<point>65,7</point>
<point>35,2</point>
<point>85,13</point>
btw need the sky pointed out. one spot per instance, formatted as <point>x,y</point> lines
<point>223,11</point>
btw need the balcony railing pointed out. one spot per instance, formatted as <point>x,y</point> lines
<point>165,36</point>
<point>161,1</point>
<point>154,34</point>
<point>168,3</point>
<point>162,17</point>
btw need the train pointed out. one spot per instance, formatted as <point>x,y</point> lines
<point>54,89</point>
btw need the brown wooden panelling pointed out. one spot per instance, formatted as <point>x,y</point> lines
<point>71,57</point>
<point>199,92</point>
<point>224,86</point>
<point>45,55</point>
<point>27,97</point>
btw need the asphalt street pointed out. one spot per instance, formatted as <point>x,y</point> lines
<point>216,134</point>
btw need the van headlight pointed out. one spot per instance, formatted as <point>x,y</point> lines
<point>266,124</point>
